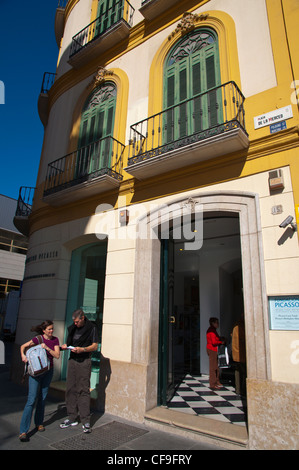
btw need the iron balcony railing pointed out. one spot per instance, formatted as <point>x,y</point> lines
<point>62,3</point>
<point>103,157</point>
<point>214,112</point>
<point>25,200</point>
<point>48,81</point>
<point>121,10</point>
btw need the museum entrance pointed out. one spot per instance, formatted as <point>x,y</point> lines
<point>86,292</point>
<point>196,285</point>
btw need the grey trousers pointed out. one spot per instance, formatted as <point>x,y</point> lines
<point>78,390</point>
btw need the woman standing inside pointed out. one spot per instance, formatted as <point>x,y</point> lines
<point>213,341</point>
<point>39,386</point>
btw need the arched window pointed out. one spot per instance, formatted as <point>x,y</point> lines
<point>96,130</point>
<point>191,70</point>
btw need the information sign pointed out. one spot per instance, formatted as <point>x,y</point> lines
<point>284,312</point>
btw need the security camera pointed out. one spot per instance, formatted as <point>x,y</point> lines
<point>288,221</point>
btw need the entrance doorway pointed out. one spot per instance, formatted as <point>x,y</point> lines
<point>86,292</point>
<point>197,285</point>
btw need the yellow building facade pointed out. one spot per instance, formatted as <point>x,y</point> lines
<point>167,194</point>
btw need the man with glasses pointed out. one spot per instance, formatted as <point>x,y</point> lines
<point>82,340</point>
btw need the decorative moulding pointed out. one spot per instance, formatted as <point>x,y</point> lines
<point>187,23</point>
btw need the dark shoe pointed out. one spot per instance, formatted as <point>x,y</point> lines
<point>23,437</point>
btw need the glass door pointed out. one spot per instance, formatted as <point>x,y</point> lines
<point>171,357</point>
<point>179,340</point>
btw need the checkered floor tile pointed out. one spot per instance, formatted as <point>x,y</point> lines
<point>194,396</point>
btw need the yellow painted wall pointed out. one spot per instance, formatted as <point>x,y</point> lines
<point>265,152</point>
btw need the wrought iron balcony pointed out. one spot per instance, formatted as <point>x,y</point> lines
<point>62,3</point>
<point>111,26</point>
<point>206,126</point>
<point>42,104</point>
<point>60,20</point>
<point>24,209</point>
<point>48,81</point>
<point>89,170</point>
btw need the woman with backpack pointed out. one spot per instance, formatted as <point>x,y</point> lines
<point>39,384</point>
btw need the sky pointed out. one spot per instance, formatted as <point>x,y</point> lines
<point>27,49</point>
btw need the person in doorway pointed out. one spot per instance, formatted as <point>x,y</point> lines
<point>83,340</point>
<point>213,341</point>
<point>38,386</point>
<point>239,356</point>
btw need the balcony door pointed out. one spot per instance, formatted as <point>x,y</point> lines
<point>96,130</point>
<point>191,74</point>
<point>109,13</point>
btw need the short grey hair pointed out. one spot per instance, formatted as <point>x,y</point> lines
<point>78,314</point>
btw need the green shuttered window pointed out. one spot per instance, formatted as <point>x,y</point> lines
<point>191,70</point>
<point>97,123</point>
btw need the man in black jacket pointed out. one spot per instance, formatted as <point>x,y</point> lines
<point>82,340</point>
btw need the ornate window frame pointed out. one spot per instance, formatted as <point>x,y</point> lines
<point>224,28</point>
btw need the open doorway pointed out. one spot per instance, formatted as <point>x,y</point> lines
<point>86,291</point>
<point>197,285</point>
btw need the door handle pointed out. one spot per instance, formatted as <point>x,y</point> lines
<point>172,319</point>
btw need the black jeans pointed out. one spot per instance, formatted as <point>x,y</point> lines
<point>78,390</point>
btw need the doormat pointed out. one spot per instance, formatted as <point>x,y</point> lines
<point>107,437</point>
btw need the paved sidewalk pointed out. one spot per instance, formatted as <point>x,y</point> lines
<point>108,432</point>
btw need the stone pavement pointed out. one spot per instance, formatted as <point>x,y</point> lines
<point>109,433</point>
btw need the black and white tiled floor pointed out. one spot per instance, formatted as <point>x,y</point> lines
<point>194,396</point>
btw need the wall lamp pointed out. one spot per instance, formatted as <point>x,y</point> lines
<point>288,221</point>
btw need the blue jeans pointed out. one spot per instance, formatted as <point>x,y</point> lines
<point>38,389</point>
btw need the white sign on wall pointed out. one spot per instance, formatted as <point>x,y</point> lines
<point>284,313</point>
<point>273,116</point>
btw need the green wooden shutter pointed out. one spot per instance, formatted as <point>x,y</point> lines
<point>196,90</point>
<point>169,121</point>
<point>212,96</point>
<point>107,142</point>
<point>96,130</point>
<point>182,110</point>
<point>109,12</point>
<point>191,69</point>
